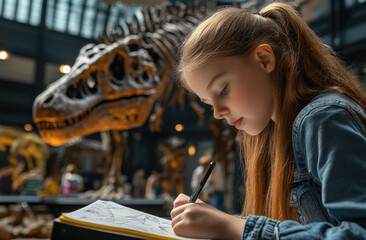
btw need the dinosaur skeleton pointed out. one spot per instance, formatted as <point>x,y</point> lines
<point>116,85</point>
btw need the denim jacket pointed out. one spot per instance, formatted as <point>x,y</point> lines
<point>329,190</point>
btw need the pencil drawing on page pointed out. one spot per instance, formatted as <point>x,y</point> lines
<point>111,214</point>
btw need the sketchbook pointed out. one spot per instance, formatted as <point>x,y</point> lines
<point>113,217</point>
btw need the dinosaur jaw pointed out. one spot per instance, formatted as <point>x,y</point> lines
<point>111,115</point>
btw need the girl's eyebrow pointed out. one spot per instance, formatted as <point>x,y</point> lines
<point>215,78</point>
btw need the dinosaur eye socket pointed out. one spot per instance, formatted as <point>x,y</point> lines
<point>74,91</point>
<point>70,91</point>
<point>117,68</point>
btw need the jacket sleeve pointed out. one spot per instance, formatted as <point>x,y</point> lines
<point>334,147</point>
<point>263,228</point>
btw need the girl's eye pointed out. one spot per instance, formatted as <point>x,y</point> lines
<point>225,90</point>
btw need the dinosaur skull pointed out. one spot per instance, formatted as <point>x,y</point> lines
<point>109,87</point>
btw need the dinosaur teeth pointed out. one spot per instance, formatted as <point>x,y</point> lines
<point>128,118</point>
<point>69,121</point>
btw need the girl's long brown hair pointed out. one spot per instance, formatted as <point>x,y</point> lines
<point>304,68</point>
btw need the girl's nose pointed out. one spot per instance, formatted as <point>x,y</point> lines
<point>220,112</point>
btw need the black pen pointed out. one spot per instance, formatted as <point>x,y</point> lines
<point>198,190</point>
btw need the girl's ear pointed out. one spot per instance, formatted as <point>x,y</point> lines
<point>264,54</point>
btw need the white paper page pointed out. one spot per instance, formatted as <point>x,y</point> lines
<point>111,214</point>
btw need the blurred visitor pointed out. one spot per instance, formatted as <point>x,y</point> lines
<point>153,186</point>
<point>139,183</point>
<point>71,183</point>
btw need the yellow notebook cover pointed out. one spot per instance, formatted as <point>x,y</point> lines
<point>110,216</point>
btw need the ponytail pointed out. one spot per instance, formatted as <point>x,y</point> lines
<point>309,68</point>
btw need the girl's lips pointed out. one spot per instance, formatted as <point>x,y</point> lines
<point>238,122</point>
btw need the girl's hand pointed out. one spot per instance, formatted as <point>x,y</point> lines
<point>200,220</point>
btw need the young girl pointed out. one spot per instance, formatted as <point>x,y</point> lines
<point>302,118</point>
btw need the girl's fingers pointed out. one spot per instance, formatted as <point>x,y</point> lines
<point>176,220</point>
<point>180,200</point>
<point>181,230</point>
<point>183,199</point>
<point>201,220</point>
<point>176,211</point>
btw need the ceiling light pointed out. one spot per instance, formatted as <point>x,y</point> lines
<point>65,69</point>
<point>179,127</point>
<point>4,55</point>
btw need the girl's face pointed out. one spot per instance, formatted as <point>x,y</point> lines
<point>238,89</point>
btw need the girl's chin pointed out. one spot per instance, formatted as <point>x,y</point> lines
<point>254,127</point>
<point>251,131</point>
